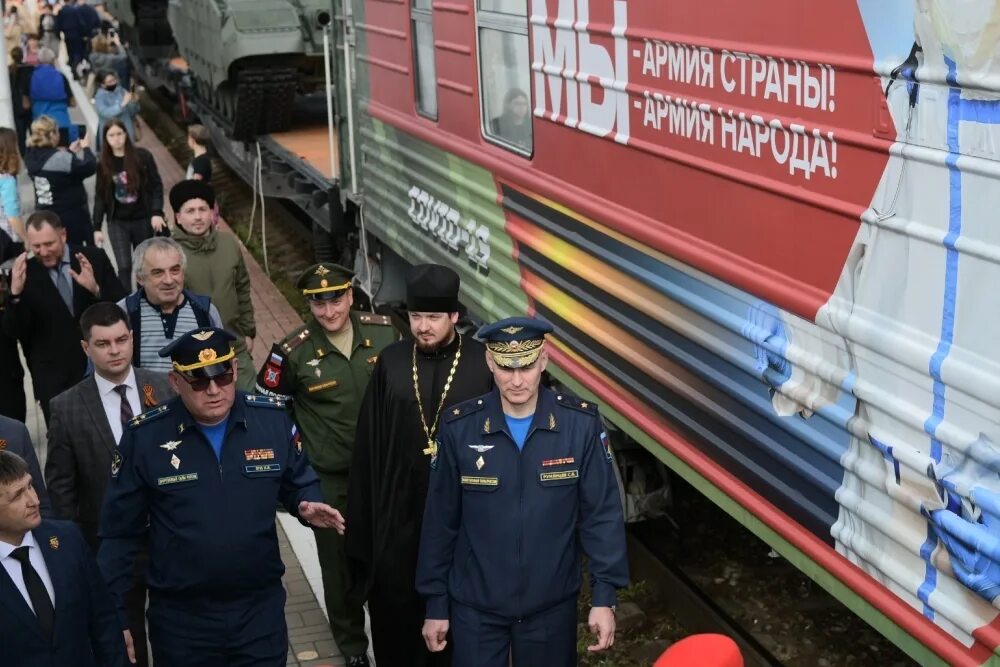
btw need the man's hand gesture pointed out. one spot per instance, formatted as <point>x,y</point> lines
<point>321,515</point>
<point>602,624</point>
<point>435,630</point>
<point>19,274</point>
<point>85,277</point>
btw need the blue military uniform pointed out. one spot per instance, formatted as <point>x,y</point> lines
<point>214,574</point>
<point>503,528</point>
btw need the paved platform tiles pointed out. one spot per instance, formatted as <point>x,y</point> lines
<point>311,643</point>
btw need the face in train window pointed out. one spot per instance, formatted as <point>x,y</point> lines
<point>505,80</point>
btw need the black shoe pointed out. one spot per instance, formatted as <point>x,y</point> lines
<point>358,661</point>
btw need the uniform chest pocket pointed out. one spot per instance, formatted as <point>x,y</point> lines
<point>558,477</point>
<point>262,470</point>
<point>481,484</point>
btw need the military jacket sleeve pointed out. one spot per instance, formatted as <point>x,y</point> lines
<point>277,375</point>
<point>124,520</point>
<point>442,516</point>
<point>602,524</point>
<point>299,482</point>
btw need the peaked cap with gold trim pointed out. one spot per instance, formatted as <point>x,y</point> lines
<point>515,342</point>
<point>324,281</point>
<point>205,352</point>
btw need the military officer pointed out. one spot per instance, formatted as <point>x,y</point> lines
<point>521,482</point>
<point>322,369</point>
<point>201,476</point>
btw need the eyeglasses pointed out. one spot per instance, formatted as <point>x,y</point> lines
<point>201,384</point>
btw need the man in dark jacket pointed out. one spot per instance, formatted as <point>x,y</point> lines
<point>54,606</point>
<point>77,21</point>
<point>12,400</point>
<point>48,293</point>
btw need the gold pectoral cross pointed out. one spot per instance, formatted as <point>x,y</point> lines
<point>432,448</point>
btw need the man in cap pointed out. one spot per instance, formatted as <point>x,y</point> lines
<point>414,384</point>
<point>215,267</point>
<point>322,369</point>
<point>201,476</point>
<point>522,481</point>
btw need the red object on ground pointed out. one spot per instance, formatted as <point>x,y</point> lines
<point>702,651</point>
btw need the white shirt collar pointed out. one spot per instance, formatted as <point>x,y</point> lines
<point>105,387</point>
<point>28,541</point>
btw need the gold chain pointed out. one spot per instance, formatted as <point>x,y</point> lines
<point>429,432</point>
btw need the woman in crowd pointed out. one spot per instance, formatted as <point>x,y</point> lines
<point>129,194</point>
<point>51,96</point>
<point>113,102</point>
<point>108,55</point>
<point>10,200</point>
<point>58,176</point>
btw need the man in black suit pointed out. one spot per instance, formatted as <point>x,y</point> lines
<point>48,293</point>
<point>14,438</point>
<point>87,423</point>
<point>54,606</point>
<point>12,400</point>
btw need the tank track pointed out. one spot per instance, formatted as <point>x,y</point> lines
<point>265,101</point>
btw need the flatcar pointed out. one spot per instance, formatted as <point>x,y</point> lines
<point>764,233</point>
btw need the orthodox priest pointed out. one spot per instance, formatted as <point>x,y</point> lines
<point>413,383</point>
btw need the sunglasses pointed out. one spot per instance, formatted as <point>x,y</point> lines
<point>201,384</point>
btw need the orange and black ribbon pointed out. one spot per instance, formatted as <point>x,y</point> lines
<point>149,399</point>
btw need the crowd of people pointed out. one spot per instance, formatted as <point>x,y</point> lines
<point>447,489</point>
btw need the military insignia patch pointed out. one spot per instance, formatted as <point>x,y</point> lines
<point>480,463</point>
<point>548,463</point>
<point>606,442</point>
<point>258,454</point>
<point>175,462</point>
<point>116,463</point>
<point>203,335</point>
<point>54,542</point>
<point>313,362</point>
<point>482,448</point>
<point>486,425</point>
<point>272,375</point>
<point>3,444</point>
<point>296,439</point>
<point>171,445</point>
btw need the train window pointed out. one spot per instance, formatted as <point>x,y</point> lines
<point>504,74</point>
<point>423,56</point>
<point>515,7</point>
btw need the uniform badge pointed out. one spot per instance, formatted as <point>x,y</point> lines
<point>315,364</point>
<point>54,542</point>
<point>116,463</point>
<point>3,444</point>
<point>175,462</point>
<point>482,448</point>
<point>272,375</point>
<point>607,444</point>
<point>480,463</point>
<point>171,445</point>
<point>258,454</point>
<point>548,463</point>
<point>296,439</point>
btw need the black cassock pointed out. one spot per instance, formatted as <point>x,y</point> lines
<point>388,487</point>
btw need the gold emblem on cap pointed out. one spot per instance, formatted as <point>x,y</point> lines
<point>207,355</point>
<point>324,283</point>
<point>322,271</point>
<point>511,330</point>
<point>202,335</point>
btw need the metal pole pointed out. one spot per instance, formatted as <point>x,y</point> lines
<point>349,84</point>
<point>6,104</point>
<point>330,127</point>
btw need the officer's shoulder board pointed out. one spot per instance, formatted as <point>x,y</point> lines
<point>576,403</point>
<point>148,416</point>
<point>258,401</point>
<point>294,339</point>
<point>370,318</point>
<point>464,409</point>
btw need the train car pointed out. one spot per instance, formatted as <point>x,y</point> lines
<point>762,233</point>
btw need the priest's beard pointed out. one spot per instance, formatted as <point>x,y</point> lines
<point>435,346</point>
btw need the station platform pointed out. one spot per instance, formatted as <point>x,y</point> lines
<point>311,643</point>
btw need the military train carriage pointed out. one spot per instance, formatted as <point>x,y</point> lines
<point>762,232</point>
<point>246,60</point>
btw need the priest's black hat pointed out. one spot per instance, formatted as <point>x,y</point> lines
<point>432,288</point>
